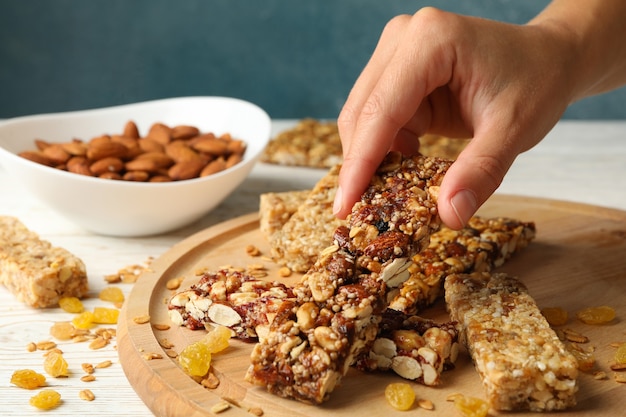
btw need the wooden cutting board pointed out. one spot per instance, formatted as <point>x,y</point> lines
<point>577,260</point>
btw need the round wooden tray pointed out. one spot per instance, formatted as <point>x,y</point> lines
<point>577,260</point>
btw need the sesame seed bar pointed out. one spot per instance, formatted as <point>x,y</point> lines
<point>310,229</point>
<point>310,143</point>
<point>275,209</point>
<point>413,347</point>
<point>522,363</point>
<point>36,272</point>
<point>484,244</point>
<point>338,304</point>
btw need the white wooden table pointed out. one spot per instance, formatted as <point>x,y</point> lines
<point>578,161</point>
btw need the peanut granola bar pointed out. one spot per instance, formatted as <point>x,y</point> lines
<point>411,346</point>
<point>338,304</point>
<point>36,272</point>
<point>520,359</point>
<point>484,244</point>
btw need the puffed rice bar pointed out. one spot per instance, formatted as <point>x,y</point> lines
<point>414,348</point>
<point>520,359</point>
<point>313,341</point>
<point>275,209</point>
<point>309,230</point>
<point>36,272</point>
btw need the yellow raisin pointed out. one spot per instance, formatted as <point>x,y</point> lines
<point>28,379</point>
<point>84,320</point>
<point>400,395</point>
<point>112,294</point>
<point>62,330</point>
<point>103,315</point>
<point>71,304</point>
<point>55,365</point>
<point>46,399</point>
<point>555,316</point>
<point>620,354</point>
<point>471,406</point>
<point>217,339</point>
<point>596,315</point>
<point>195,359</point>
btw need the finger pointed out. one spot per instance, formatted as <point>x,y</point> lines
<point>474,177</point>
<point>393,101</point>
<point>368,78</point>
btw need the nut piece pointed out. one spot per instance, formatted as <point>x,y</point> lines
<point>223,315</point>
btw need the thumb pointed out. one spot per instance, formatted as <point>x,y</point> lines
<point>472,179</point>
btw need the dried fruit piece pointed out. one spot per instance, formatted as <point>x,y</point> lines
<point>71,304</point>
<point>471,406</point>
<point>556,316</point>
<point>46,399</point>
<point>217,339</point>
<point>400,395</point>
<point>103,315</point>
<point>620,354</point>
<point>112,294</point>
<point>84,320</point>
<point>195,359</point>
<point>62,331</point>
<point>596,315</point>
<point>28,379</point>
<point>55,365</point>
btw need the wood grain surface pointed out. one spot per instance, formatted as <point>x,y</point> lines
<point>577,260</point>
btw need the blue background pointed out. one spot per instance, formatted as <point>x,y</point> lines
<point>294,58</point>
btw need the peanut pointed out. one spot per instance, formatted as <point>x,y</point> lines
<point>164,154</point>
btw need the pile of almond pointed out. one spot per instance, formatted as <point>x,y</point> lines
<point>164,154</point>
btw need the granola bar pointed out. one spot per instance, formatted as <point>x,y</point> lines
<point>317,144</point>
<point>311,143</point>
<point>313,340</point>
<point>310,229</point>
<point>484,244</point>
<point>520,359</point>
<point>275,209</point>
<point>413,347</point>
<point>36,272</point>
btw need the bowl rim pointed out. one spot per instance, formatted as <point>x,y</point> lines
<point>248,158</point>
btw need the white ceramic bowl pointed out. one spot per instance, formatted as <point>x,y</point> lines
<point>124,208</point>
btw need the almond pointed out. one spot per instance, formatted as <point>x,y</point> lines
<point>150,145</point>
<point>160,133</point>
<point>138,176</point>
<point>109,164</point>
<point>57,154</point>
<point>131,144</point>
<point>131,130</point>
<point>75,148</point>
<point>106,149</point>
<point>213,167</point>
<point>215,147</point>
<point>41,144</point>
<point>79,165</point>
<point>150,162</point>
<point>180,152</point>
<point>37,156</point>
<point>186,170</point>
<point>184,132</point>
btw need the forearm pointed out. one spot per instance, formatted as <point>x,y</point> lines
<point>596,32</point>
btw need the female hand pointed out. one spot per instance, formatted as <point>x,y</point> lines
<point>503,85</point>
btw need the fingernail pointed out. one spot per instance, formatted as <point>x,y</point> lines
<point>464,205</point>
<point>338,204</point>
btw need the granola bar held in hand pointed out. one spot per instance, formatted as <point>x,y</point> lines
<point>334,318</point>
<point>36,272</point>
<point>520,359</point>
